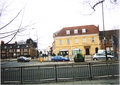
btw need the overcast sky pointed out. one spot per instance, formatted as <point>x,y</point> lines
<point>45,17</point>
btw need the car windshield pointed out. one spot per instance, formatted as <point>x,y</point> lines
<point>23,57</point>
<point>100,54</point>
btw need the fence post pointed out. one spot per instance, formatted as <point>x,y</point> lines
<point>3,75</point>
<point>90,71</point>
<point>55,74</point>
<point>21,75</point>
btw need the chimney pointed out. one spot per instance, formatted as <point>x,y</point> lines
<point>2,42</point>
<point>15,42</point>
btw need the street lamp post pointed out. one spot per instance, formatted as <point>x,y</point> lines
<point>37,41</point>
<point>104,31</point>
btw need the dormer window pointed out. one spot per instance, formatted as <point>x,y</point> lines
<point>67,31</point>
<point>10,46</point>
<point>83,30</point>
<point>75,31</point>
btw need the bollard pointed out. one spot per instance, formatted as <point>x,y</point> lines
<point>41,59</point>
<point>90,72</point>
<point>10,59</point>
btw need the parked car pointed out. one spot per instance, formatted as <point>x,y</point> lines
<point>59,58</point>
<point>101,56</point>
<point>23,59</point>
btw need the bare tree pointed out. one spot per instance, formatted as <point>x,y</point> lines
<point>20,28</point>
<point>94,3</point>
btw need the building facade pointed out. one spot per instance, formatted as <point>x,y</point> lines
<point>71,40</point>
<point>16,49</point>
<point>112,40</point>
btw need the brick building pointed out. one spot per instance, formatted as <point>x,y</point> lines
<point>16,49</point>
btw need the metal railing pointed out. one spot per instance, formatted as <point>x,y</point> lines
<point>38,74</point>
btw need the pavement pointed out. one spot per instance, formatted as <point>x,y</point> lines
<point>98,81</point>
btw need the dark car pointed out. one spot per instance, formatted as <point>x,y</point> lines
<point>23,59</point>
<point>59,58</point>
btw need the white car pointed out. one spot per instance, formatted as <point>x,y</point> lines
<point>101,56</point>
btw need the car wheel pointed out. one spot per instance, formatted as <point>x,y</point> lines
<point>63,60</point>
<point>17,61</point>
<point>53,60</point>
<point>109,59</point>
<point>95,59</point>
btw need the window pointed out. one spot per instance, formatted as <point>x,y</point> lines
<point>25,53</point>
<point>18,54</point>
<point>83,30</point>
<point>60,41</point>
<point>104,41</point>
<point>10,50</point>
<point>110,41</point>
<point>84,40</point>
<point>5,47</point>
<point>26,45</point>
<point>25,50</point>
<point>18,50</point>
<point>92,39</point>
<point>10,46</point>
<point>67,31</point>
<point>76,40</point>
<point>3,54</point>
<point>3,51</point>
<point>18,46</point>
<point>75,31</point>
<point>68,41</point>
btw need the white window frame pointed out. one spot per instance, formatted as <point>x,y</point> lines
<point>18,50</point>
<point>110,41</point>
<point>60,42</point>
<point>83,30</point>
<point>103,41</point>
<point>67,31</point>
<point>68,41</point>
<point>10,46</point>
<point>10,50</point>
<point>75,31</point>
<point>84,40</point>
<point>26,45</point>
<point>25,53</point>
<point>25,50</point>
<point>3,54</point>
<point>92,39</point>
<point>5,47</point>
<point>3,51</point>
<point>76,40</point>
<point>18,46</point>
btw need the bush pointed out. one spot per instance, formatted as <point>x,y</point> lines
<point>79,58</point>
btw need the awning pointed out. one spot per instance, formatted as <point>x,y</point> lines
<point>63,50</point>
<point>77,49</point>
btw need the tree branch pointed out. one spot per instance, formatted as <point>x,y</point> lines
<point>97,4</point>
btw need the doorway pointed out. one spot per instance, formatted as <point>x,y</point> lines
<point>87,51</point>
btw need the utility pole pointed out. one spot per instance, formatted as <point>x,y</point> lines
<point>37,41</point>
<point>113,47</point>
<point>104,31</point>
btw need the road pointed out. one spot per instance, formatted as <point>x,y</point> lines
<point>14,63</point>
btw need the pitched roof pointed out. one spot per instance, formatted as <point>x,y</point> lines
<point>90,29</point>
